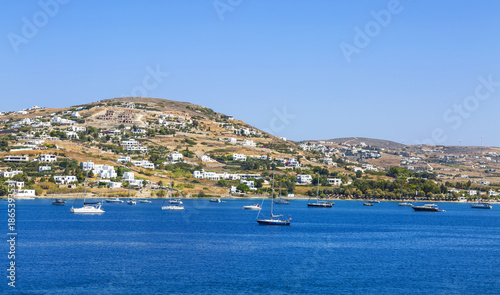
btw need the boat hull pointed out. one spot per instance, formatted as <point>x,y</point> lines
<point>58,204</point>
<point>425,209</point>
<point>172,208</point>
<point>481,206</point>
<point>320,205</point>
<point>251,208</point>
<point>87,210</point>
<point>273,222</point>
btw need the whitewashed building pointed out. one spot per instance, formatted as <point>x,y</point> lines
<point>304,178</point>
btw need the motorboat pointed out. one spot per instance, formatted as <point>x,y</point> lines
<point>114,200</point>
<point>59,202</point>
<point>144,201</point>
<point>426,207</point>
<point>131,202</point>
<point>252,207</point>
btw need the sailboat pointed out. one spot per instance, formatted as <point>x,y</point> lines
<point>88,207</point>
<point>318,203</point>
<point>479,204</point>
<point>58,202</point>
<point>172,205</point>
<point>281,201</point>
<point>274,220</point>
<point>215,199</point>
<point>402,203</point>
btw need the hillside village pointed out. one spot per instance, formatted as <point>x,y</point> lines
<point>144,146</point>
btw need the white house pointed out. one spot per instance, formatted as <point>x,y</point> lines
<point>104,171</point>
<point>232,140</point>
<point>15,158</point>
<point>334,181</point>
<point>113,184</point>
<point>59,120</point>
<point>12,183</point>
<point>249,183</point>
<point>47,158</point>
<point>75,115</point>
<point>249,142</point>
<point>143,164</point>
<point>44,168</point>
<point>128,176</point>
<point>9,174</point>
<point>239,157</point>
<point>65,179</point>
<point>77,129</point>
<point>26,193</point>
<point>176,157</point>
<point>87,166</point>
<point>205,158</point>
<point>122,159</point>
<point>304,178</point>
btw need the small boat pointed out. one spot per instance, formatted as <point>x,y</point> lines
<point>175,205</point>
<point>144,201</point>
<point>175,202</point>
<point>274,220</point>
<point>367,204</point>
<point>114,200</point>
<point>131,202</point>
<point>281,201</point>
<point>88,207</point>
<point>252,207</point>
<point>405,204</point>
<point>318,203</point>
<point>373,202</point>
<point>215,200</point>
<point>481,206</point>
<point>427,208</point>
<point>58,202</point>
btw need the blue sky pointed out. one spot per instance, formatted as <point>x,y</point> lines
<point>416,72</point>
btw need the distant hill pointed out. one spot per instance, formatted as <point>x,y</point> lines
<point>378,143</point>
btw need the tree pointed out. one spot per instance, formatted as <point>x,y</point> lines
<point>243,187</point>
<point>161,193</point>
<point>259,182</point>
<point>359,174</point>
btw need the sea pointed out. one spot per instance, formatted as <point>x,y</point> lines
<point>218,248</point>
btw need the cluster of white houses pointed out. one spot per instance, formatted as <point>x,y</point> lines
<point>307,179</point>
<point>133,145</point>
<point>101,171</point>
<point>226,176</point>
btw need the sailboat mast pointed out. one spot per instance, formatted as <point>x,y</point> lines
<point>85,184</point>
<point>272,196</point>
<point>317,191</point>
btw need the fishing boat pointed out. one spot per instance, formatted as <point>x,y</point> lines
<point>252,207</point>
<point>215,200</point>
<point>367,204</point>
<point>131,202</point>
<point>59,202</point>
<point>318,203</point>
<point>426,207</point>
<point>173,206</point>
<point>114,200</point>
<point>144,201</point>
<point>274,219</point>
<point>88,207</point>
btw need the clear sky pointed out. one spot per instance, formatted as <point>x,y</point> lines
<point>418,71</point>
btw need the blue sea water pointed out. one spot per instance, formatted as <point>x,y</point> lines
<point>218,248</point>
